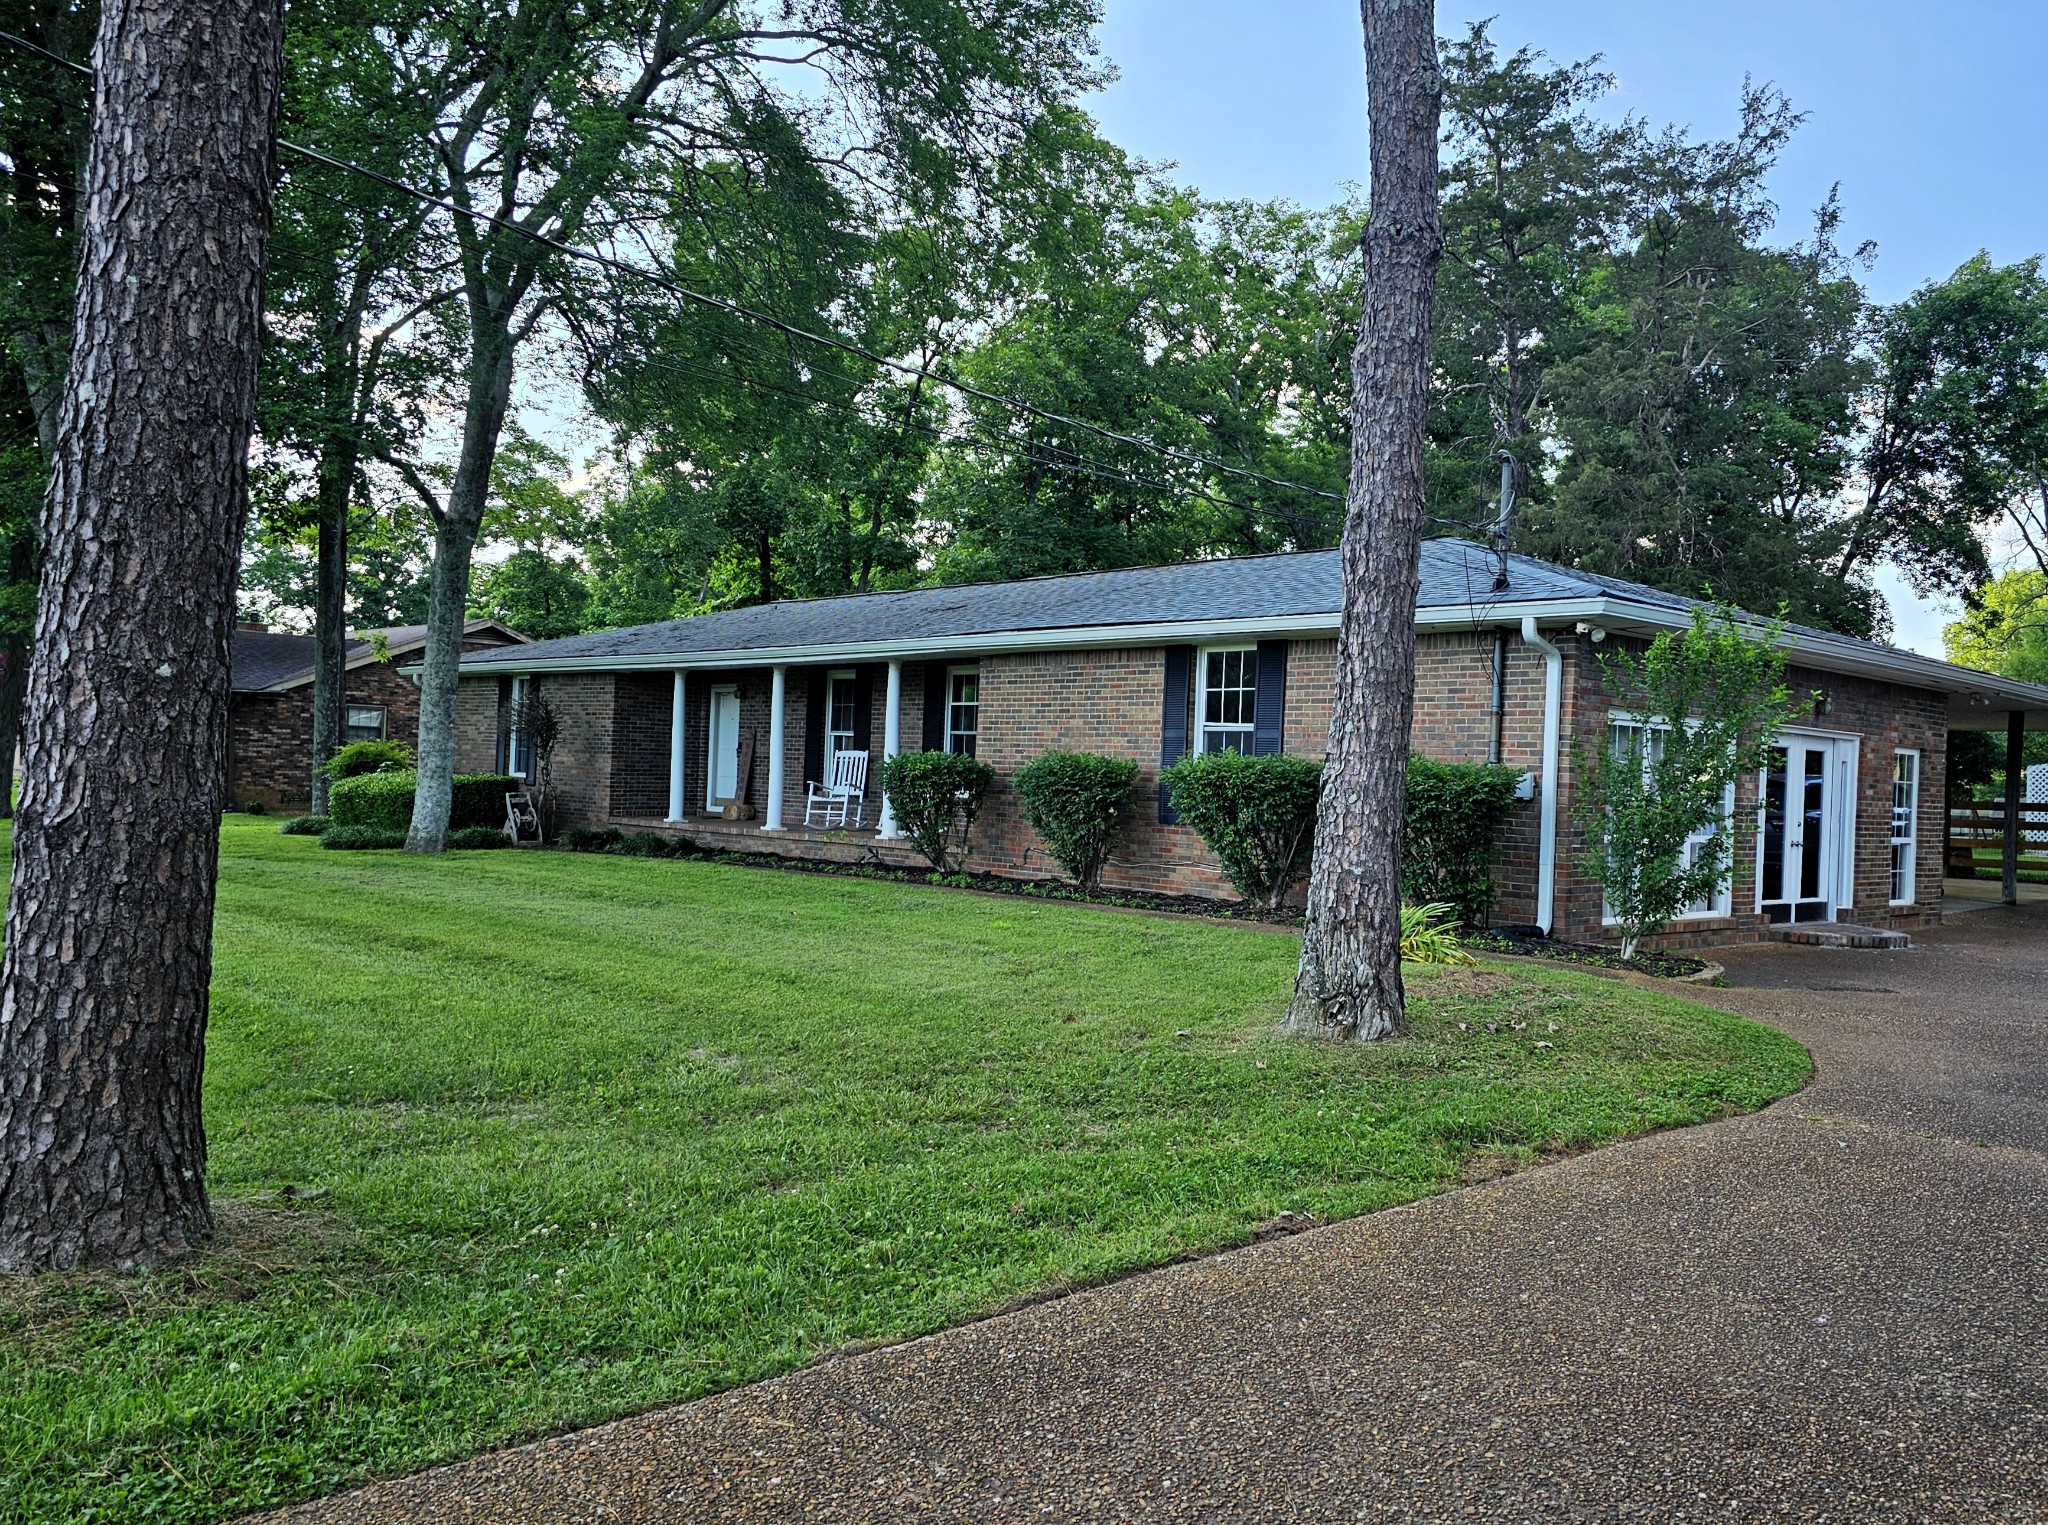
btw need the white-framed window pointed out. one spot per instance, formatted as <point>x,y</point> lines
<point>963,709</point>
<point>1227,699</point>
<point>518,748</point>
<point>1905,841</point>
<point>842,691</point>
<point>363,722</point>
<point>1627,731</point>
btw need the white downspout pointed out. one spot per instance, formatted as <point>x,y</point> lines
<point>1553,724</point>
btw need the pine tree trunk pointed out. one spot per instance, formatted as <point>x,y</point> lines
<point>1349,983</point>
<point>109,932</point>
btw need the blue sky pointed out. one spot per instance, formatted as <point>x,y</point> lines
<point>1926,114</point>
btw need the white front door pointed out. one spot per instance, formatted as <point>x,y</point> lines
<point>723,769</point>
<point>1805,799</point>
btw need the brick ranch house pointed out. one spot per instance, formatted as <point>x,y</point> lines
<point>1151,662</point>
<point>270,716</point>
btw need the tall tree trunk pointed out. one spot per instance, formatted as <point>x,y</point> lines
<point>330,612</point>
<point>1349,983</point>
<point>455,531</point>
<point>110,929</point>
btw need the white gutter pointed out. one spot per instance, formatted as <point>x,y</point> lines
<point>1553,725</point>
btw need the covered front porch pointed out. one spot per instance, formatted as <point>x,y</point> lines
<point>783,758</point>
<point>823,844</point>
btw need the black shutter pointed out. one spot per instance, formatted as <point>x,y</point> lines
<point>504,724</point>
<point>863,708</point>
<point>1269,706</point>
<point>1173,721</point>
<point>935,696</point>
<point>814,727</point>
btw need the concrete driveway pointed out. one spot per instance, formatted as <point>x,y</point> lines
<point>1833,1310</point>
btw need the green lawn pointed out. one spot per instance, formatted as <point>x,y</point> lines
<point>598,1134</point>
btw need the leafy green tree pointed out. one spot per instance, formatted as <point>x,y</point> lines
<point>574,122</point>
<point>538,595</point>
<point>1531,189</point>
<point>1702,707</point>
<point>352,285</point>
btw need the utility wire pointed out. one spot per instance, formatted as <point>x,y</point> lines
<point>736,309</point>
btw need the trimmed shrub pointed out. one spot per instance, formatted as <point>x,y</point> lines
<point>1429,935</point>
<point>385,799</point>
<point>1453,824</point>
<point>592,839</point>
<point>355,758</point>
<point>304,826</point>
<point>1076,801</point>
<point>651,844</point>
<point>1257,815</point>
<point>255,807</point>
<point>357,838</point>
<point>936,797</point>
<point>477,838</point>
<point>379,800</point>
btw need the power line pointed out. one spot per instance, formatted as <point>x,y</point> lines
<point>736,309</point>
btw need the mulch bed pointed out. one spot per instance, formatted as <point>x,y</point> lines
<point>1525,944</point>
<point>987,884</point>
<point>1669,966</point>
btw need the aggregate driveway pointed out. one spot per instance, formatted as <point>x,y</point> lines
<point>1836,1309</point>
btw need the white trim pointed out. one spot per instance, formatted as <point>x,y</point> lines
<point>1911,841</point>
<point>892,743</point>
<point>1845,763</point>
<point>522,685</point>
<point>1553,725</point>
<point>1723,904</point>
<point>827,750</point>
<point>711,800</point>
<point>778,706</point>
<point>676,750</point>
<point>1201,721</point>
<point>946,730</point>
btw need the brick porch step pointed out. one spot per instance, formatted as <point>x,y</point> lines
<point>1840,934</point>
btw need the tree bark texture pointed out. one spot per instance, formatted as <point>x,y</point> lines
<point>1349,982</point>
<point>109,932</point>
<point>455,532</point>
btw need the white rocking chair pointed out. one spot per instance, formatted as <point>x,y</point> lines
<point>846,794</point>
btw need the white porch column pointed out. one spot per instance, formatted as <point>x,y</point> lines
<point>892,741</point>
<point>675,753</point>
<point>777,693</point>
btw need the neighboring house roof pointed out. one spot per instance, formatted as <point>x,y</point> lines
<point>1295,593</point>
<point>271,661</point>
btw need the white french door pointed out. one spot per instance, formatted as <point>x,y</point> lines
<point>722,771</point>
<point>1805,829</point>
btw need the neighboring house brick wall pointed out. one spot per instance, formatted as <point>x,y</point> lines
<point>271,743</point>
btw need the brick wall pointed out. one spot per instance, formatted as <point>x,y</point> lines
<point>642,707</point>
<point>1883,717</point>
<point>270,757</point>
<point>270,751</point>
<point>613,762</point>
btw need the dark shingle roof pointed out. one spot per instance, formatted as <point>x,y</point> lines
<point>260,659</point>
<point>1454,573</point>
